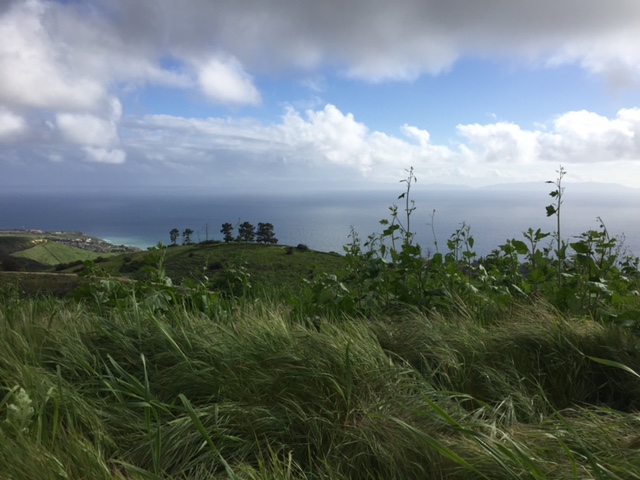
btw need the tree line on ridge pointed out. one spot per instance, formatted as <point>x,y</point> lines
<point>247,233</point>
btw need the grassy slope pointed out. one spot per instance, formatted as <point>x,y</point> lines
<point>52,253</point>
<point>267,265</point>
<point>270,267</point>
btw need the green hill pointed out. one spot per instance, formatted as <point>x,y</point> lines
<point>53,253</point>
<point>219,266</point>
<point>263,265</point>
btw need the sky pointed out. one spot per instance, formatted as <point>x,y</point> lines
<point>295,95</point>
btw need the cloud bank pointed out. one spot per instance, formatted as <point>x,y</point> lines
<point>65,67</point>
<point>164,149</point>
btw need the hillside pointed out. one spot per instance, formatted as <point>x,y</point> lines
<point>35,250</point>
<point>53,253</point>
<point>219,266</point>
<point>263,266</point>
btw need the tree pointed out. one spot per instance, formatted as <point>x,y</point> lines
<point>246,232</point>
<point>187,236</point>
<point>174,234</point>
<point>265,234</point>
<point>227,230</point>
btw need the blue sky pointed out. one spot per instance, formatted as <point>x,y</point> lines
<point>272,95</point>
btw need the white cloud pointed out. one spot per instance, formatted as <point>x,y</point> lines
<point>574,137</point>
<point>328,134</point>
<point>86,129</point>
<point>500,142</point>
<point>422,136</point>
<point>104,155</point>
<point>91,130</point>
<point>588,137</point>
<point>324,139</point>
<point>337,147</point>
<point>12,126</point>
<point>33,69</point>
<point>328,139</point>
<point>224,81</point>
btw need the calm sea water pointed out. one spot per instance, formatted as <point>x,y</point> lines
<point>322,221</point>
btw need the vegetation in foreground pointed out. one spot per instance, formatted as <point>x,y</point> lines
<point>521,365</point>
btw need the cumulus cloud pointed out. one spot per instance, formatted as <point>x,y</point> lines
<point>207,151</point>
<point>224,81</point>
<point>324,138</point>
<point>589,137</point>
<point>573,137</point>
<point>93,133</point>
<point>422,136</point>
<point>12,126</point>
<point>500,142</point>
<point>33,71</point>
<point>86,129</point>
<point>104,155</point>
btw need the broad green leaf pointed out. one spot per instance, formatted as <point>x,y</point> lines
<point>581,247</point>
<point>520,247</point>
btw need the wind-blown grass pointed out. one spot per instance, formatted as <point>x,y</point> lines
<point>135,392</point>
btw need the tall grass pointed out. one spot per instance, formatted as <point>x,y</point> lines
<point>248,391</point>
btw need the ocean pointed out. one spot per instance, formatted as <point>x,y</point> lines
<point>323,220</point>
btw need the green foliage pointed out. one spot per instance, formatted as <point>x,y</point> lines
<point>233,281</point>
<point>90,269</point>
<point>592,275</point>
<point>554,208</point>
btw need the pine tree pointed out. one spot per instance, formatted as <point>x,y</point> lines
<point>246,232</point>
<point>187,236</point>
<point>265,234</point>
<point>174,234</point>
<point>227,231</point>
